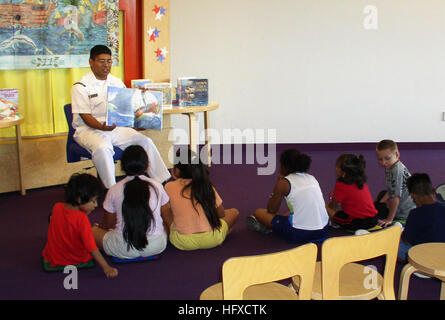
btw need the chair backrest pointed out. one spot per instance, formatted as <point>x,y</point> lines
<point>69,120</point>
<point>241,272</point>
<point>338,251</point>
<point>74,152</point>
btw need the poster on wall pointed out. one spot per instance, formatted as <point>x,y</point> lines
<point>43,34</point>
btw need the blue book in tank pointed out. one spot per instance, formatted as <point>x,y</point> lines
<point>193,91</point>
<point>141,109</point>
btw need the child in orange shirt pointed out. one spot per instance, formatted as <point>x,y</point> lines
<point>198,220</point>
<point>70,239</point>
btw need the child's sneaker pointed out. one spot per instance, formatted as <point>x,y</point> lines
<point>255,225</point>
<point>398,224</point>
<point>421,275</point>
<point>360,232</point>
<point>334,225</point>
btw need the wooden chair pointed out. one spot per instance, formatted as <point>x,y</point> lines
<point>428,258</point>
<point>338,277</point>
<point>252,277</point>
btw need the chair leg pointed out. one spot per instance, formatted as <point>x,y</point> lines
<point>442,291</point>
<point>405,275</point>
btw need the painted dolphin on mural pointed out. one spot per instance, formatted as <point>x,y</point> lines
<point>18,39</point>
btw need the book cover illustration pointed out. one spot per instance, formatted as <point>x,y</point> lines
<point>165,88</point>
<point>140,109</point>
<point>9,104</point>
<point>140,83</point>
<point>193,92</point>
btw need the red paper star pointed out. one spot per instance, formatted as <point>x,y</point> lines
<point>156,9</point>
<point>158,52</point>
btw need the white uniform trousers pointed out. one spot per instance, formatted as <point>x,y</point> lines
<point>100,144</point>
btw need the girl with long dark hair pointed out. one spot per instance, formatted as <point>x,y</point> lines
<point>134,209</point>
<point>198,221</point>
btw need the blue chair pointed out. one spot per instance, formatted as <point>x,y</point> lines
<point>74,152</point>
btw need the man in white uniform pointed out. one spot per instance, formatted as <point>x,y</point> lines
<point>89,105</point>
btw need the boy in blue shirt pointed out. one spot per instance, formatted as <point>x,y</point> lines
<point>426,223</point>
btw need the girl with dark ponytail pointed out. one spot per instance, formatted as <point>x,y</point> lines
<point>136,205</point>
<point>199,220</point>
<point>352,193</point>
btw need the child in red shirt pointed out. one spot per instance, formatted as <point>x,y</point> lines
<point>70,239</point>
<point>352,193</point>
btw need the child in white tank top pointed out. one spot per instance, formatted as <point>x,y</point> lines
<point>307,219</point>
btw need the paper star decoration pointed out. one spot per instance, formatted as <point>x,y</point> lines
<point>161,58</point>
<point>153,33</point>
<point>161,53</point>
<point>159,12</point>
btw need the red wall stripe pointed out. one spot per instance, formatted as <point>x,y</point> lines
<point>132,10</point>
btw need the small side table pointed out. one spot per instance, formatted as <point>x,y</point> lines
<point>428,258</point>
<point>191,113</point>
<point>18,137</point>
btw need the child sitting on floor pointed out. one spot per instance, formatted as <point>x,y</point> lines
<point>396,199</point>
<point>70,239</point>
<point>307,219</point>
<point>426,223</point>
<point>199,220</point>
<point>352,193</point>
<point>134,206</point>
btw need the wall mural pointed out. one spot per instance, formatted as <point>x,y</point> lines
<point>43,34</point>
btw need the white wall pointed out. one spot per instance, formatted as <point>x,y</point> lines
<point>310,69</point>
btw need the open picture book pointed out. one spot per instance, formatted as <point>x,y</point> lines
<point>130,107</point>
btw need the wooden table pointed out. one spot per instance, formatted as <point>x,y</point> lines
<point>18,137</point>
<point>428,258</point>
<point>191,113</point>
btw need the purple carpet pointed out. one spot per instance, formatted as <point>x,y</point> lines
<point>183,275</point>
